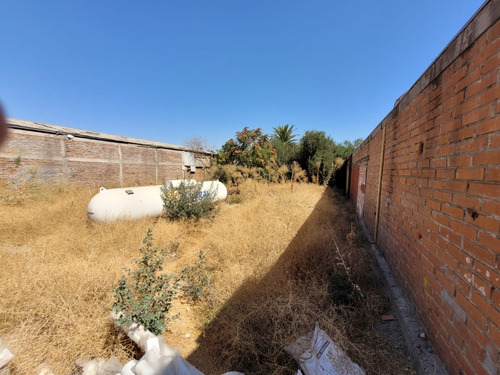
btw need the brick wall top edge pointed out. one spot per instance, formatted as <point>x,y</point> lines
<point>56,129</point>
<point>485,17</point>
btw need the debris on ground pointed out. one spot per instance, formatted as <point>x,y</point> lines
<point>387,318</point>
<point>317,354</point>
<point>5,356</point>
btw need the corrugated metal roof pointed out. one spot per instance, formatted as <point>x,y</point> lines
<point>56,129</point>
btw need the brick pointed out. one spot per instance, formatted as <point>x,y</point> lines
<point>494,332</point>
<point>437,163</point>
<point>472,310</point>
<point>485,112</point>
<point>489,241</point>
<point>456,186</point>
<point>460,284</point>
<point>461,134</point>
<point>495,141</point>
<point>455,212</point>
<point>483,287</point>
<point>441,140</point>
<point>477,252</point>
<point>450,236</point>
<point>491,207</point>
<point>466,202</point>
<point>491,63</point>
<point>492,94</point>
<point>493,174</point>
<point>484,190</point>
<point>486,158</point>
<point>481,221</point>
<point>468,79</point>
<point>460,255</point>
<point>470,174</point>
<point>463,229</point>
<point>445,173</point>
<point>440,218</point>
<point>428,173</point>
<point>489,274</point>
<point>427,192</point>
<point>423,163</point>
<point>485,305</point>
<point>442,196</point>
<point>472,145</point>
<point>475,363</point>
<point>496,297</point>
<point>449,126</point>
<point>488,126</point>
<point>451,262</point>
<point>475,343</point>
<point>435,205</point>
<point>484,82</point>
<point>459,74</point>
<point>459,161</point>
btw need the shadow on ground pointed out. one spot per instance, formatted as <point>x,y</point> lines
<point>264,315</point>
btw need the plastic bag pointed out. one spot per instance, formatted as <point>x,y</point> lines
<point>317,354</point>
<point>5,354</point>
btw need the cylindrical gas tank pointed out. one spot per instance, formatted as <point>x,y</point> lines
<point>137,202</point>
<point>218,188</point>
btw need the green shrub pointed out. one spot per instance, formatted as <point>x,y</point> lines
<point>341,289</point>
<point>145,295</point>
<point>250,148</point>
<point>187,201</point>
<point>198,280</point>
<point>317,154</point>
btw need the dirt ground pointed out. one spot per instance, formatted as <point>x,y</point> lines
<point>272,256</point>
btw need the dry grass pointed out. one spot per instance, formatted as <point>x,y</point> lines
<point>271,255</point>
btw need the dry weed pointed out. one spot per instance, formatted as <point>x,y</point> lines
<point>271,256</point>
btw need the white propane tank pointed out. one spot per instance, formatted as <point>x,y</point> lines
<point>137,202</point>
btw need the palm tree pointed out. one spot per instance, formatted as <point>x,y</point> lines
<point>284,133</point>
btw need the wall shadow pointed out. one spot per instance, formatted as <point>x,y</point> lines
<point>249,332</point>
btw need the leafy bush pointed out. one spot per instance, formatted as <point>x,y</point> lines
<point>342,290</point>
<point>198,280</point>
<point>286,153</point>
<point>188,201</point>
<point>317,154</point>
<point>251,148</point>
<point>283,141</point>
<point>145,295</point>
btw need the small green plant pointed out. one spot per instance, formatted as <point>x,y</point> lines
<point>198,280</point>
<point>342,290</point>
<point>188,201</point>
<point>145,295</point>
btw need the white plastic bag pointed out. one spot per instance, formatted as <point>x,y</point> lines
<point>317,354</point>
<point>5,354</point>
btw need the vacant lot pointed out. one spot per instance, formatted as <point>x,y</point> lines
<point>271,255</point>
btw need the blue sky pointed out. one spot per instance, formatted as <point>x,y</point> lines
<point>170,70</point>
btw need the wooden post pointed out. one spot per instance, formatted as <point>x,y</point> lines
<point>379,192</point>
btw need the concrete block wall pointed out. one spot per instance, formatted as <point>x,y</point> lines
<point>439,213</point>
<point>55,154</point>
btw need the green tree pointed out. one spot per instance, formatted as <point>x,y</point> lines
<point>284,133</point>
<point>317,155</point>
<point>346,148</point>
<point>283,141</point>
<point>286,153</point>
<point>250,148</point>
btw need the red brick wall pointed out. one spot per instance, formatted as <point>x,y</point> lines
<point>439,223</point>
<point>39,152</point>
